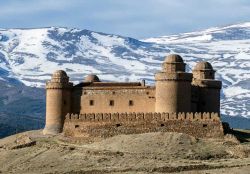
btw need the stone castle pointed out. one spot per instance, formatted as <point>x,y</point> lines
<point>179,101</point>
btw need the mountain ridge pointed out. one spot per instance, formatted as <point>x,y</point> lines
<point>29,57</point>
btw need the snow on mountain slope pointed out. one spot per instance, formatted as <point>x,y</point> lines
<point>228,49</point>
<point>31,55</point>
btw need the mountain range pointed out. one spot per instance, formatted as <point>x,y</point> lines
<point>28,57</point>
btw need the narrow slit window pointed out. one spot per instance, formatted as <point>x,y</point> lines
<point>111,103</point>
<point>131,103</point>
<point>91,102</point>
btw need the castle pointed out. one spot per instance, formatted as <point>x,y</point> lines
<point>179,101</point>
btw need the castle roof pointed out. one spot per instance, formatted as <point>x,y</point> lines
<point>60,76</point>
<point>92,78</point>
<point>173,58</point>
<point>59,73</point>
<point>203,66</point>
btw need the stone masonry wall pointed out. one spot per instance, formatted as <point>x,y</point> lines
<point>110,124</point>
<point>142,99</point>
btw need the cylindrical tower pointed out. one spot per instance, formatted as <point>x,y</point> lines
<point>92,78</point>
<point>208,88</point>
<point>58,102</point>
<point>173,86</point>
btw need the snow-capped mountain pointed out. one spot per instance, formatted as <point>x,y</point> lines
<point>31,55</point>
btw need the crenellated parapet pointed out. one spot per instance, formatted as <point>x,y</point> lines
<point>150,116</point>
<point>109,124</point>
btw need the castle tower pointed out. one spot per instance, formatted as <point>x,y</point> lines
<point>208,89</point>
<point>91,78</point>
<point>173,86</point>
<point>58,102</point>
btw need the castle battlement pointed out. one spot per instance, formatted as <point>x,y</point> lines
<point>150,116</point>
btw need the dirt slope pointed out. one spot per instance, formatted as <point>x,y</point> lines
<point>31,152</point>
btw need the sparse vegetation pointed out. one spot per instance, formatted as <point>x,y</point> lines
<point>138,153</point>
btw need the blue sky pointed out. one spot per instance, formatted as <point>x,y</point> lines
<point>134,18</point>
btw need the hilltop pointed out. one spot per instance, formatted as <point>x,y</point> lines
<point>32,152</point>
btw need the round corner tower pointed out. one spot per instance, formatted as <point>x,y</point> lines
<point>58,102</point>
<point>173,86</point>
<point>208,87</point>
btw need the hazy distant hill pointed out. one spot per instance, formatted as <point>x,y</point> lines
<point>21,108</point>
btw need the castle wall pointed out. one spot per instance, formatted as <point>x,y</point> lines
<point>208,91</point>
<point>111,100</point>
<point>194,98</point>
<point>209,100</point>
<point>66,102</point>
<point>110,124</point>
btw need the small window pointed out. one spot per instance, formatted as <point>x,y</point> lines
<point>131,103</point>
<point>91,102</point>
<point>204,125</point>
<point>118,125</point>
<point>76,126</point>
<point>111,102</point>
<point>85,93</point>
